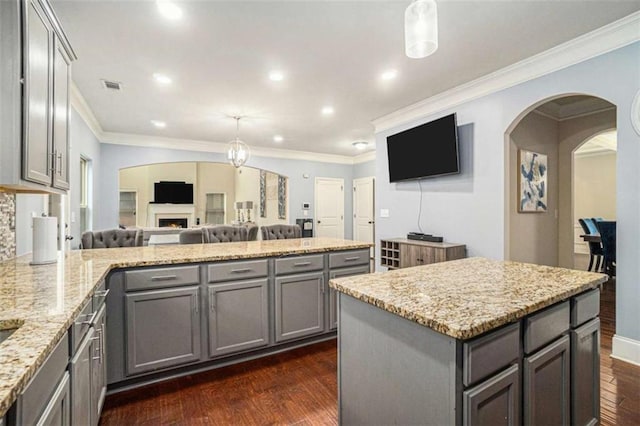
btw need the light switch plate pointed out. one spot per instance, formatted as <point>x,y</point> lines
<point>384,212</point>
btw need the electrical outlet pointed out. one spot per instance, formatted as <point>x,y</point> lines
<point>384,212</point>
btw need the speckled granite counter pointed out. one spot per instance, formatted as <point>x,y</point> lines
<point>43,300</point>
<point>467,297</point>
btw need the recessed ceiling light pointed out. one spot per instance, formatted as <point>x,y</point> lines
<point>389,75</point>
<point>159,124</point>
<point>161,78</point>
<point>328,110</point>
<point>276,76</point>
<point>360,145</point>
<point>169,10</point>
<point>278,138</point>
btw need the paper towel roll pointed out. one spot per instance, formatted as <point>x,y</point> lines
<point>45,240</point>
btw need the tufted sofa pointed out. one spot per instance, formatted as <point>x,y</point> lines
<point>280,232</point>
<point>111,238</point>
<point>224,234</point>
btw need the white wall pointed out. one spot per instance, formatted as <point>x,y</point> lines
<point>28,205</point>
<point>594,186</point>
<point>471,208</point>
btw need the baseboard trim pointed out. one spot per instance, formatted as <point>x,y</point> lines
<point>625,349</point>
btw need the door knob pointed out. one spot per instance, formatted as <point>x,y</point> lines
<point>318,221</point>
<point>371,222</point>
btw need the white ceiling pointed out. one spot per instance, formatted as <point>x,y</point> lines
<point>219,56</point>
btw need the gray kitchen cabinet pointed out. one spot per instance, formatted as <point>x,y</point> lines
<point>546,380</point>
<point>238,316</point>
<point>61,84</point>
<point>299,305</point>
<point>163,329</point>
<point>585,374</point>
<point>98,366</point>
<point>494,402</point>
<point>333,295</point>
<point>80,377</point>
<point>57,411</point>
<point>35,78</point>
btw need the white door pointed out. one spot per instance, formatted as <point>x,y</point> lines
<point>363,211</point>
<point>329,207</point>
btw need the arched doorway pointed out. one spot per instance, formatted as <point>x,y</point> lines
<point>549,131</point>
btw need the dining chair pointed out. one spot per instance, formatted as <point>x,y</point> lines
<point>224,234</point>
<point>595,248</point>
<point>281,232</point>
<point>190,236</point>
<point>608,235</point>
<point>111,238</point>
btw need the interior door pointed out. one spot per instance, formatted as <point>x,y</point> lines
<point>363,211</point>
<point>329,207</point>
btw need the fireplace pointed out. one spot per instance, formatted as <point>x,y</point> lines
<point>176,222</point>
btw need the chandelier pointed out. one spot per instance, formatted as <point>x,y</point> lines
<point>238,152</point>
<point>421,28</point>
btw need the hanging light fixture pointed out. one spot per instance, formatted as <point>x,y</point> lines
<point>238,152</point>
<point>421,28</point>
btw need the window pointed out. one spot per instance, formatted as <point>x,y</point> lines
<point>215,209</point>
<point>85,194</point>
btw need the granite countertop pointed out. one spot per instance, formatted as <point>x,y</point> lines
<point>467,297</point>
<point>43,300</point>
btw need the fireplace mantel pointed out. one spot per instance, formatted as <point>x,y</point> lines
<point>155,212</point>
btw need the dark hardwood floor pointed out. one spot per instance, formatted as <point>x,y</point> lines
<point>300,387</point>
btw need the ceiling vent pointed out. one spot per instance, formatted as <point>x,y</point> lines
<point>111,85</point>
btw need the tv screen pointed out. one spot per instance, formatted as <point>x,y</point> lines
<point>424,151</point>
<point>173,192</point>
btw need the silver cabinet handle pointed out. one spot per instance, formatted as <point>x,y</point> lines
<point>102,293</point>
<point>212,301</point>
<point>164,277</point>
<point>89,321</point>
<point>351,259</point>
<point>241,270</point>
<point>60,164</point>
<point>194,299</point>
<point>302,264</point>
<point>322,284</point>
<point>98,338</point>
<point>53,156</point>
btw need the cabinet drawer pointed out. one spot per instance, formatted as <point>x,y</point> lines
<point>490,353</point>
<point>228,271</point>
<point>584,307</point>
<point>350,258</point>
<point>80,326</point>
<point>144,279</point>
<point>35,397</point>
<point>290,265</point>
<point>546,326</point>
<point>99,296</point>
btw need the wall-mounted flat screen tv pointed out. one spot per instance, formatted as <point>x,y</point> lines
<point>428,150</point>
<point>172,192</point>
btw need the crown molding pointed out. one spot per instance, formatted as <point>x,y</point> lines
<point>366,157</point>
<point>218,147</point>
<point>584,114</point>
<point>80,105</point>
<point>597,42</point>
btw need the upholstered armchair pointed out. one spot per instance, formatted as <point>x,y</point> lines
<point>111,238</point>
<point>280,232</point>
<point>190,236</point>
<point>224,234</point>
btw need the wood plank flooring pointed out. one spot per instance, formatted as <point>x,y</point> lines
<point>300,387</point>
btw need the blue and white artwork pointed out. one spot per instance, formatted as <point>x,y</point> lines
<point>533,182</point>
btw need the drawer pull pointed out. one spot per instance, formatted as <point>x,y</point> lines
<point>351,259</point>
<point>92,317</point>
<point>164,277</point>
<point>102,293</point>
<point>241,270</point>
<point>302,264</point>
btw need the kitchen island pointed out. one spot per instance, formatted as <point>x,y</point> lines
<point>471,341</point>
<point>45,306</point>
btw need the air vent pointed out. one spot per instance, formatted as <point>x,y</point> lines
<point>111,85</point>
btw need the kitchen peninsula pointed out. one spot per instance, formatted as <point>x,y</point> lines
<point>470,341</point>
<point>52,311</point>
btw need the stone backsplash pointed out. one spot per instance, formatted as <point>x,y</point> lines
<point>7,226</point>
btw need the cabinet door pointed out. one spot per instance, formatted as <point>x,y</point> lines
<point>585,374</point>
<point>37,161</point>
<point>57,411</point>
<point>333,295</point>
<point>546,385</point>
<point>495,401</point>
<point>415,255</point>
<point>238,316</point>
<point>80,369</point>
<point>299,305</point>
<point>163,329</point>
<point>98,366</point>
<point>61,79</point>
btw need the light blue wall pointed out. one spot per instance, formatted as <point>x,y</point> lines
<point>83,143</point>
<point>367,169</point>
<point>470,208</point>
<point>116,157</point>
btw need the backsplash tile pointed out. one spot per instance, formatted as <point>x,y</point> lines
<point>7,226</point>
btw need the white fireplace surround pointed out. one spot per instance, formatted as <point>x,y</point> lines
<point>155,212</point>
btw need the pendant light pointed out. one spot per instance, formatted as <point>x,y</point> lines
<point>238,152</point>
<point>421,28</point>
